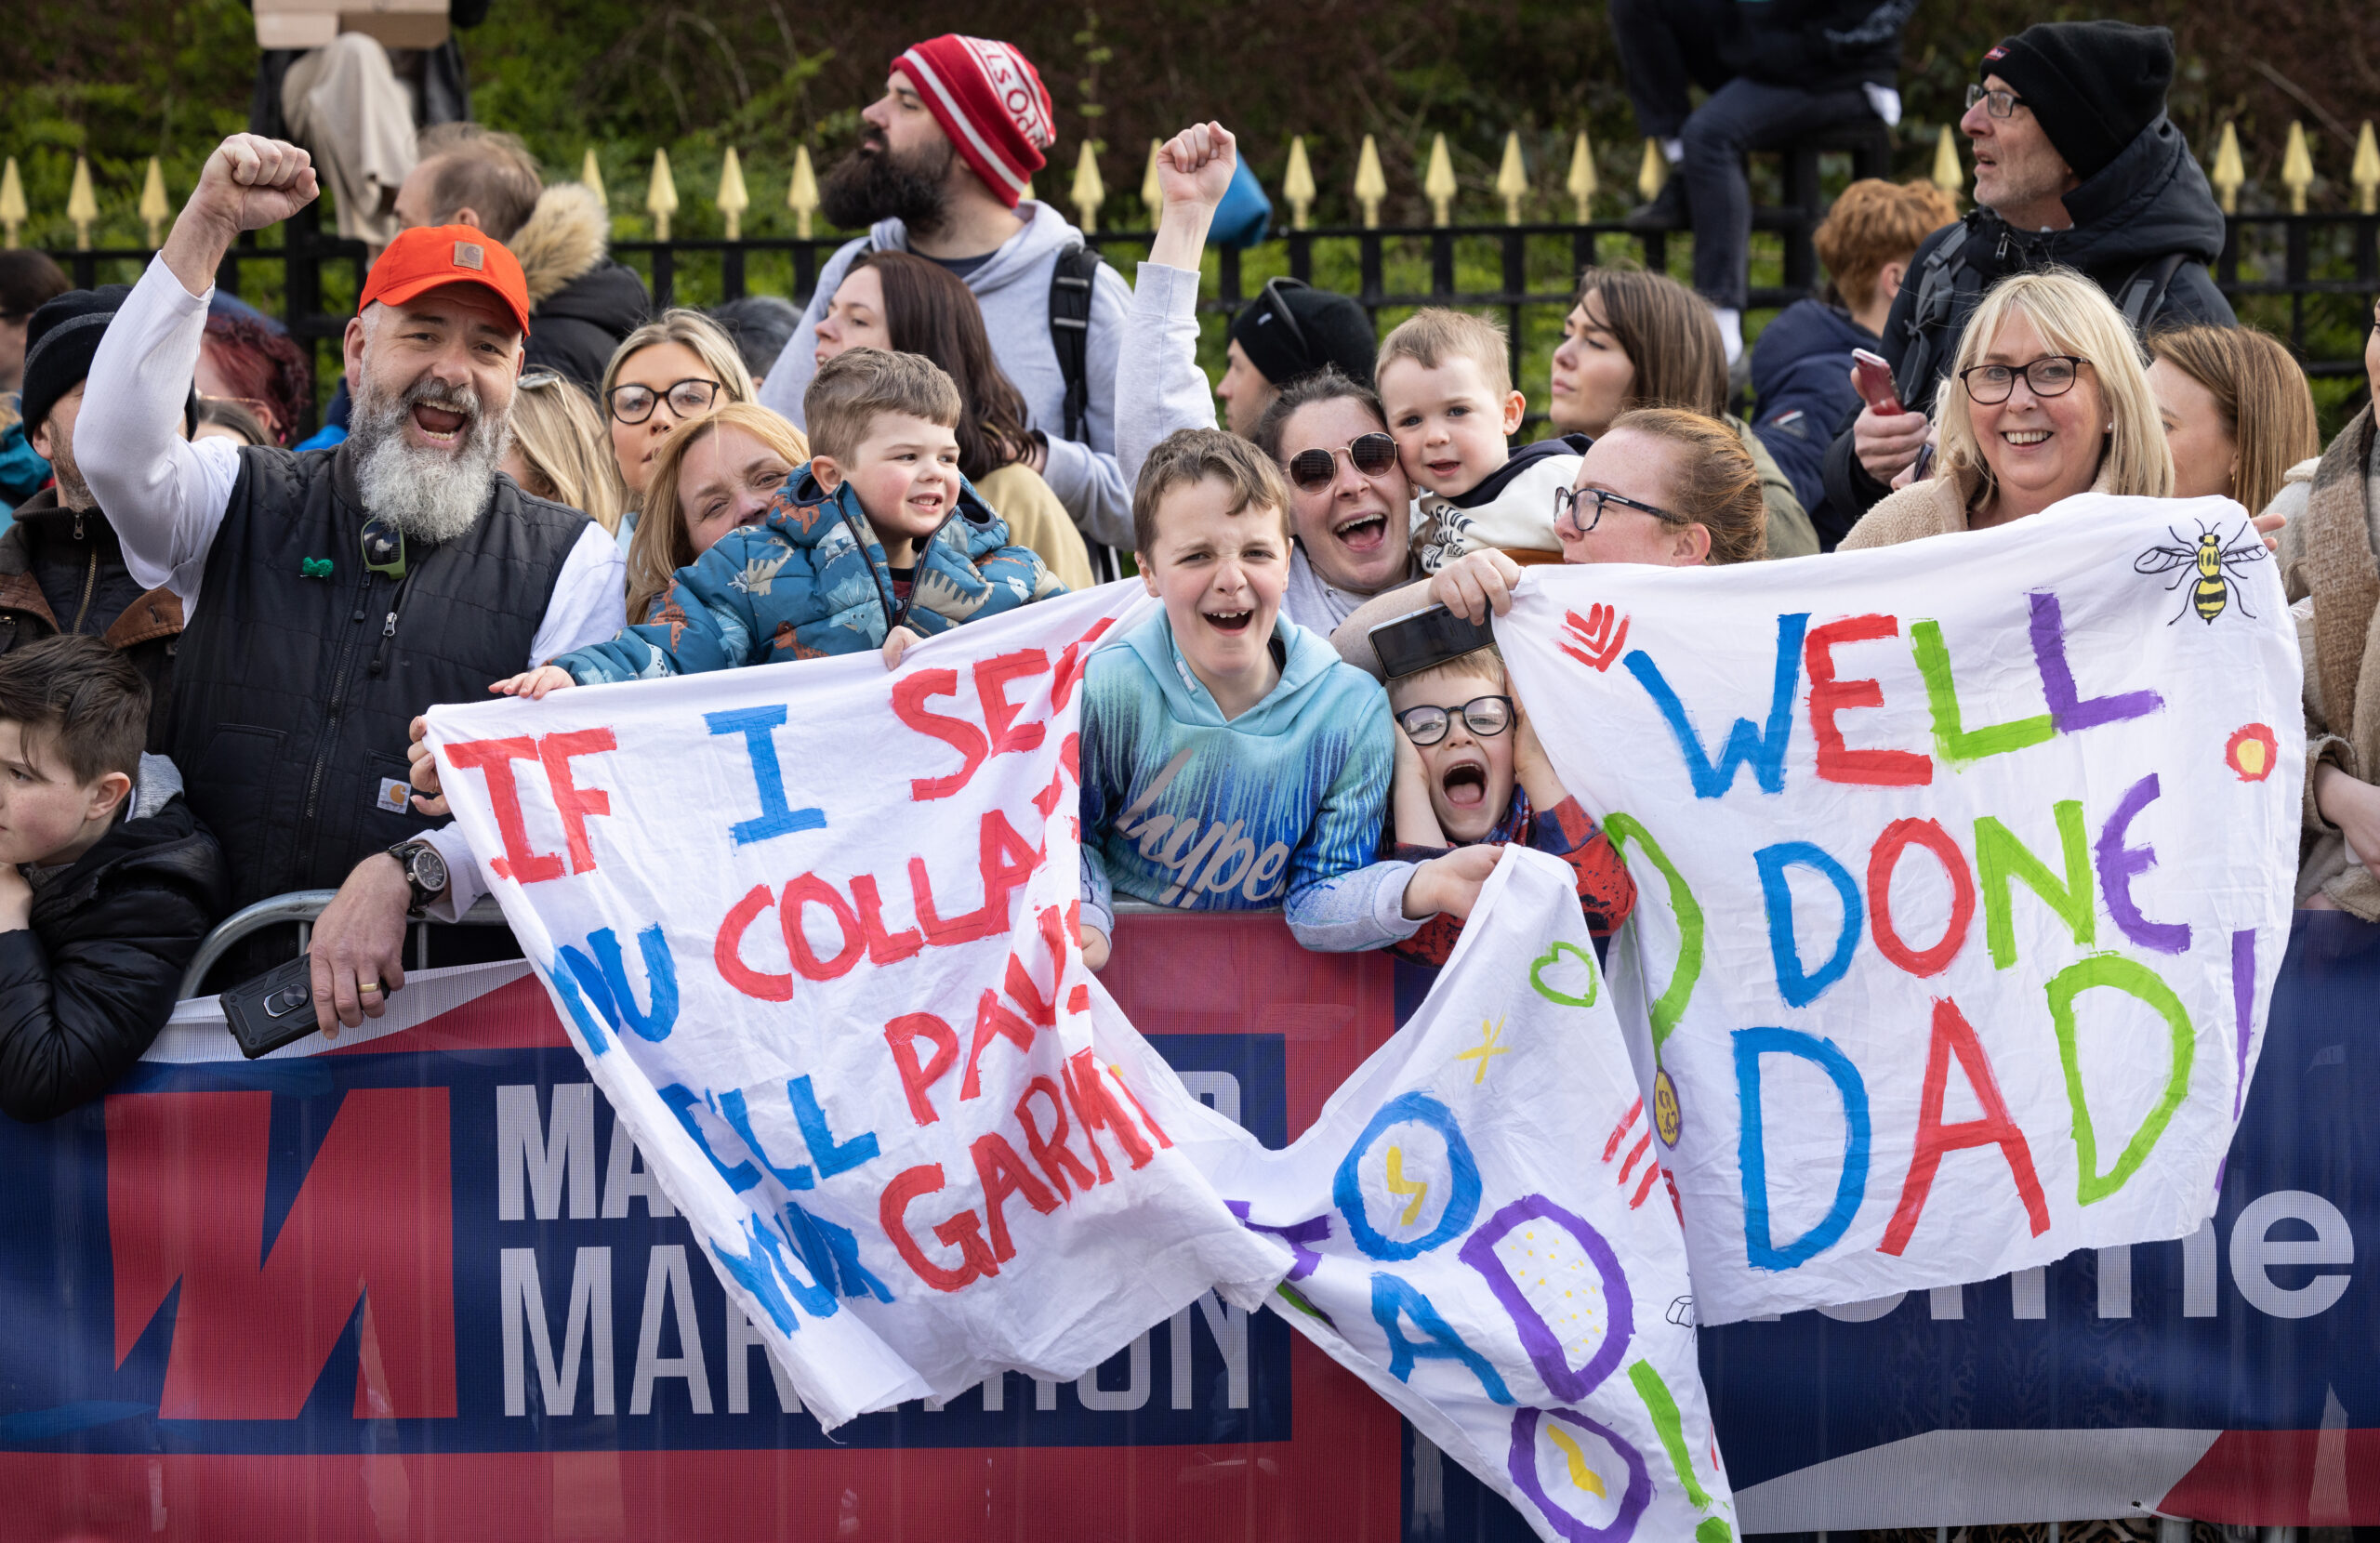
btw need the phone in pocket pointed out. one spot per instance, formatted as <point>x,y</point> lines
<point>1875,380</point>
<point>273,1010</point>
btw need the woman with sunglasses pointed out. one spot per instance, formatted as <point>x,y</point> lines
<point>664,373</point>
<point>558,450</point>
<point>2047,399</point>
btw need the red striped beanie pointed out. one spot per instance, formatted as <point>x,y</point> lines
<point>990,101</point>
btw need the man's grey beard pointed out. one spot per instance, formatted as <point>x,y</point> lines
<point>430,494</point>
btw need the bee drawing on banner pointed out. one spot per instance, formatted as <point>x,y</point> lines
<point>2206,567</point>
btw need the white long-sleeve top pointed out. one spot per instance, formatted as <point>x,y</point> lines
<point>166,497</point>
<point>1158,385</point>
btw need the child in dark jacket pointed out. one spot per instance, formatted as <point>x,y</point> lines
<point>873,543</point>
<point>1470,770</point>
<point>108,883</point>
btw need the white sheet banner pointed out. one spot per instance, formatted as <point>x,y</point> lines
<point>1480,1229</point>
<point>1965,870</point>
<point>812,927</point>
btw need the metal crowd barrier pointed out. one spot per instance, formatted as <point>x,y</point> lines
<point>303,907</point>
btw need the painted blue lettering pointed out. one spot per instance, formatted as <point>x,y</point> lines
<point>1752,1156</point>
<point>1764,751</point>
<point>1800,988</point>
<point>776,818</point>
<point>1394,1300</point>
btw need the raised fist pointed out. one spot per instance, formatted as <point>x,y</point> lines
<point>1196,165</point>
<point>251,182</point>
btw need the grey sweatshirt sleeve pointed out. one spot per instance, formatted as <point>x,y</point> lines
<point>1158,385</point>
<point>1085,476</point>
<point>1363,908</point>
<point>797,365</point>
<point>1098,896</point>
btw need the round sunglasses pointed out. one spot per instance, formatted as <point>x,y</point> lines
<point>1371,453</point>
<point>1486,716</point>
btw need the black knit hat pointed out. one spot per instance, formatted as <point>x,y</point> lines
<point>1292,330</point>
<point>60,342</point>
<point>2093,85</point>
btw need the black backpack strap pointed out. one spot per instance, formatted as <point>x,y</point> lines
<point>1070,291</point>
<point>2144,293</point>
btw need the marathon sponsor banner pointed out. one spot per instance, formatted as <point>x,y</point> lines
<point>1966,867</point>
<point>813,926</point>
<point>342,1262</point>
<point>1481,1233</point>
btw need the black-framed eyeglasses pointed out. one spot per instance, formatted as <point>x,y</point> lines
<point>1370,454</point>
<point>1273,297</point>
<point>2051,376</point>
<point>686,398</point>
<point>1566,502</point>
<point>2000,104</point>
<point>1486,716</point>
<point>384,547</point>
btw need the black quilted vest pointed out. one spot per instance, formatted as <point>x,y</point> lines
<point>293,694</point>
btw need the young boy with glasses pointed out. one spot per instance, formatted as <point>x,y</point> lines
<point>1230,762</point>
<point>1446,384</point>
<point>1471,772</point>
<point>874,543</point>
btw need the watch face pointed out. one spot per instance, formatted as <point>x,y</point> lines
<point>428,870</point>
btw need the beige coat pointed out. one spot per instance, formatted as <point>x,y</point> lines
<point>1930,508</point>
<point>2332,580</point>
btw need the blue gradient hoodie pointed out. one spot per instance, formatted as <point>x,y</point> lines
<point>1281,806</point>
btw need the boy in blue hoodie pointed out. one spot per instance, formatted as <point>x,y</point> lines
<point>1230,759</point>
<point>875,542</point>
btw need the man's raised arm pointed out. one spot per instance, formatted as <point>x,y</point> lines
<point>165,496</point>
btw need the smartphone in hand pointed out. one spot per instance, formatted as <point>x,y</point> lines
<point>1874,379</point>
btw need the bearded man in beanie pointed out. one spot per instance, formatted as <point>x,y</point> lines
<point>333,596</point>
<point>61,567</point>
<point>943,162</point>
<point>1289,333</point>
<point>2076,165</point>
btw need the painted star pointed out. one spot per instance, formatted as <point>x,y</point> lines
<point>1489,1046</point>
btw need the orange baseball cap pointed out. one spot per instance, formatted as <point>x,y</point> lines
<point>427,256</point>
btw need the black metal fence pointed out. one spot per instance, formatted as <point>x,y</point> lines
<point>2304,277</point>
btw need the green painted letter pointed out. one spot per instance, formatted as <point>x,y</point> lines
<point>2000,857</point>
<point>2132,976</point>
<point>1960,746</point>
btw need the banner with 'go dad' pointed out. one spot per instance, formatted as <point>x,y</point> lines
<point>1965,870</point>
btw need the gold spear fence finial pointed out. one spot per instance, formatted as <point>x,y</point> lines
<point>1372,183</point>
<point>1089,192</point>
<point>734,198</point>
<point>1949,175</point>
<point>154,210</point>
<point>1297,184</point>
<point>1512,178</point>
<point>1652,173</point>
<point>2230,170</point>
<point>661,196</point>
<point>1152,190</point>
<point>2366,175</point>
<point>82,205</point>
<point>12,201</point>
<point>2298,168</point>
<point>802,191</point>
<point>1438,184</point>
<point>591,175</point>
<point>1581,184</point>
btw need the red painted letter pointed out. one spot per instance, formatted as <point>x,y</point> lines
<point>909,703</point>
<point>962,1231</point>
<point>575,804</point>
<point>1952,1035</point>
<point>728,952</point>
<point>901,1035</point>
<point>1883,859</point>
<point>1003,1174</point>
<point>992,679</point>
<point>493,758</point>
<point>1829,696</point>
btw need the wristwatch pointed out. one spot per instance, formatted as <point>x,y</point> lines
<point>425,873</point>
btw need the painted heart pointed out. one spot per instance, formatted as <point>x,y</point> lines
<point>1554,957</point>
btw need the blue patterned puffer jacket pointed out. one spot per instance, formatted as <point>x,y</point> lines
<point>811,580</point>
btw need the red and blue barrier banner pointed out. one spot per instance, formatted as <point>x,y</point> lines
<point>418,1287</point>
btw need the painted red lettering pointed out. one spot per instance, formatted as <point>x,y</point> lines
<point>728,952</point>
<point>1072,663</point>
<point>1096,1109</point>
<point>810,890</point>
<point>963,1232</point>
<point>1056,1158</point>
<point>1003,1173</point>
<point>883,948</point>
<point>1899,837</point>
<point>901,1037</point>
<point>991,1019</point>
<point>1954,1035</point>
<point>993,677</point>
<point>1829,696</point>
<point>1005,861</point>
<point>575,804</point>
<point>909,697</point>
<point>493,758</point>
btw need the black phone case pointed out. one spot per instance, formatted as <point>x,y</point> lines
<point>273,1010</point>
<point>1427,637</point>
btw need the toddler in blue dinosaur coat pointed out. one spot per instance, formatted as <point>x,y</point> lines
<point>877,542</point>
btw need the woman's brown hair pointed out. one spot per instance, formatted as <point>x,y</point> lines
<point>930,310</point>
<point>1669,336</point>
<point>2264,397</point>
<point>1717,487</point>
<point>661,546</point>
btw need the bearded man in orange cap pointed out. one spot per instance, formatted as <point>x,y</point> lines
<point>330,597</point>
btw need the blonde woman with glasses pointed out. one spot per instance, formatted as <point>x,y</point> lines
<point>558,451</point>
<point>664,374</point>
<point>2047,399</point>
